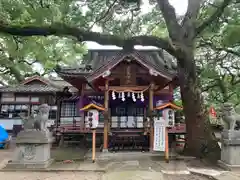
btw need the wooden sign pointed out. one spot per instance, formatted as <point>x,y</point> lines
<point>159,135</point>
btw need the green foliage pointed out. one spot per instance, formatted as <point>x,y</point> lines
<point>217,55</point>
<point>178,103</point>
<point>24,56</point>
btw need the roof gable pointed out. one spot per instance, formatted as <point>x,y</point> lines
<point>98,61</point>
<point>35,80</point>
<point>134,56</point>
<point>169,105</point>
<point>32,85</point>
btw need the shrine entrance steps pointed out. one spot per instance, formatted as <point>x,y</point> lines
<point>130,155</point>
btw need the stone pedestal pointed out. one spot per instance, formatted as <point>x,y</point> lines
<point>230,151</point>
<point>32,150</point>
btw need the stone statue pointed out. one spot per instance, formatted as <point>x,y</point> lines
<point>27,122</point>
<point>41,119</point>
<point>38,122</point>
<point>230,141</point>
<point>229,116</point>
<point>33,144</point>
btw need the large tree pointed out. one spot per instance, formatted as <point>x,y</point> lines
<point>118,23</point>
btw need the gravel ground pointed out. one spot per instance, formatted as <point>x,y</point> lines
<point>79,176</point>
<point>184,177</point>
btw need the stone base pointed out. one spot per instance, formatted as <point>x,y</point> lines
<point>105,150</point>
<point>28,165</point>
<point>230,152</point>
<point>228,167</point>
<point>230,134</point>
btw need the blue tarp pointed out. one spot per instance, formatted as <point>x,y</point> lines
<point>3,136</point>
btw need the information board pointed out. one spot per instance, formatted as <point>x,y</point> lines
<point>159,135</point>
<point>94,116</point>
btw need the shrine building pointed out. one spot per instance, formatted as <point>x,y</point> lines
<point>129,88</point>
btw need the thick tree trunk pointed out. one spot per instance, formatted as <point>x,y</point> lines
<point>200,141</point>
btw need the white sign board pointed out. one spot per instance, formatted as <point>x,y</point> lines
<point>169,116</point>
<point>95,117</point>
<point>159,135</point>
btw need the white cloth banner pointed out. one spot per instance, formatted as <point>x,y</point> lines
<point>159,135</point>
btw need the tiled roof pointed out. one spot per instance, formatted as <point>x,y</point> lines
<point>59,82</point>
<point>159,59</point>
<point>29,88</point>
<point>48,85</point>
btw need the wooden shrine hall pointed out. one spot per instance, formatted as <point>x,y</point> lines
<point>128,88</point>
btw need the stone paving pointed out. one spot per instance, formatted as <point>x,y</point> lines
<point>51,175</point>
<point>144,168</point>
<point>124,175</point>
<point>228,176</point>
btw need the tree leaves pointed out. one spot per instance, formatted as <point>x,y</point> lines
<point>24,56</point>
<point>30,54</point>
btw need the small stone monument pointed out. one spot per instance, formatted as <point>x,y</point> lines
<point>33,143</point>
<point>230,153</point>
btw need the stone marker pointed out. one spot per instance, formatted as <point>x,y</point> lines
<point>33,144</point>
<point>230,148</point>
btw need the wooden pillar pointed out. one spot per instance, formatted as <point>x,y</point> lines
<point>105,133</point>
<point>166,146</point>
<point>151,92</point>
<point>171,92</point>
<point>82,124</point>
<point>58,120</point>
<point>58,116</point>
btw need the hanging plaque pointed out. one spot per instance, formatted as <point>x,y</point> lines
<point>159,135</point>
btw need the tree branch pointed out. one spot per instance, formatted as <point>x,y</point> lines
<point>82,35</point>
<point>210,44</point>
<point>27,62</point>
<point>170,18</point>
<point>104,15</point>
<point>219,11</point>
<point>190,17</point>
<point>2,83</point>
<point>209,86</point>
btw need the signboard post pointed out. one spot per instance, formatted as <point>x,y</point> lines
<point>93,118</point>
<point>166,146</point>
<point>93,145</point>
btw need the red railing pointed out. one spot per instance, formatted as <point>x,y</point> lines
<point>70,128</point>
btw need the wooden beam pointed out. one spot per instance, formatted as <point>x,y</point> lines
<point>106,102</point>
<point>99,93</point>
<point>125,88</point>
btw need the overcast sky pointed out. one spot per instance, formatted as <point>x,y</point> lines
<point>180,8</point>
